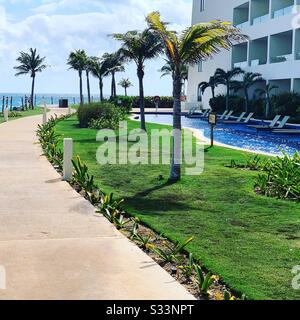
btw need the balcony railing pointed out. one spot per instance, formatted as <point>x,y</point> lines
<point>257,62</point>
<point>283,12</point>
<point>282,58</point>
<point>261,19</point>
<point>243,25</point>
<point>242,64</point>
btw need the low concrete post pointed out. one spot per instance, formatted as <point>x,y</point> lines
<point>5,114</point>
<point>44,111</point>
<point>68,155</point>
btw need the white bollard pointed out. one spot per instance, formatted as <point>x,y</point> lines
<point>5,114</point>
<point>45,114</point>
<point>68,155</point>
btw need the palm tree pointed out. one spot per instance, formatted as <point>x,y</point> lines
<point>198,42</point>
<point>99,71</point>
<point>77,61</point>
<point>249,80</point>
<point>266,93</point>
<point>225,78</point>
<point>125,83</point>
<point>113,63</point>
<point>169,70</point>
<point>30,63</point>
<point>212,84</point>
<point>88,68</point>
<point>139,47</point>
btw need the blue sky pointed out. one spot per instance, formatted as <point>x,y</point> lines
<point>57,27</point>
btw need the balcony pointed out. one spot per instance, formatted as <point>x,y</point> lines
<point>260,11</point>
<point>241,16</point>
<point>240,55</point>
<point>259,52</point>
<point>283,85</point>
<point>281,47</point>
<point>282,8</point>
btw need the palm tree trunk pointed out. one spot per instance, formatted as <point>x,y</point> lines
<point>213,92</point>
<point>141,73</point>
<point>268,105</point>
<point>113,83</point>
<point>101,89</point>
<point>88,86</point>
<point>246,100</point>
<point>32,93</point>
<point>227,96</point>
<point>175,173</point>
<point>125,91</point>
<point>80,88</point>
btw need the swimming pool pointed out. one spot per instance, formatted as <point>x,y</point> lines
<point>239,135</point>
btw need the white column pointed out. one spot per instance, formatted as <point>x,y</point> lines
<point>294,44</point>
<point>5,114</point>
<point>269,50</point>
<point>68,155</point>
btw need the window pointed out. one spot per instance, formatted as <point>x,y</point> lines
<point>202,5</point>
<point>200,66</point>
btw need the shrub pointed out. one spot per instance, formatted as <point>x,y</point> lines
<point>286,103</point>
<point>100,115</point>
<point>281,178</point>
<point>124,102</point>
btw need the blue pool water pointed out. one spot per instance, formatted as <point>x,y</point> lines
<point>239,135</point>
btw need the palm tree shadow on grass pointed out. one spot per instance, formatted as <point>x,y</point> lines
<point>165,202</point>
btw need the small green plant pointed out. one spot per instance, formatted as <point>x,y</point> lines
<point>81,176</point>
<point>171,252</point>
<point>253,163</point>
<point>204,281</point>
<point>281,178</point>
<point>229,297</point>
<point>144,242</point>
<point>120,222</point>
<point>188,269</point>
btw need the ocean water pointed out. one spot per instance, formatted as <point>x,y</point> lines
<point>50,99</point>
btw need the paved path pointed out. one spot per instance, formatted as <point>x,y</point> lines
<point>51,243</point>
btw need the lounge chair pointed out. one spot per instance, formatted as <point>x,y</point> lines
<point>238,120</point>
<point>223,115</point>
<point>227,117</point>
<point>269,127</point>
<point>283,122</point>
<point>198,115</point>
<point>247,120</point>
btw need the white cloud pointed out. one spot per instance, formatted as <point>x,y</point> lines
<point>57,27</point>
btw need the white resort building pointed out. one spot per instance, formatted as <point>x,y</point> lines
<point>273,27</point>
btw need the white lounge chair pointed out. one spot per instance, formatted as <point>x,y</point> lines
<point>238,120</point>
<point>224,115</point>
<point>249,117</point>
<point>228,115</point>
<point>283,122</point>
<point>269,127</point>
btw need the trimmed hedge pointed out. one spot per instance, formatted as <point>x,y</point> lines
<point>103,111</point>
<point>133,102</point>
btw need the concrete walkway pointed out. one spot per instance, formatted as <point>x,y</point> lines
<point>52,246</point>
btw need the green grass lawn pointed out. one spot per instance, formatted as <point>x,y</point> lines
<point>251,241</point>
<point>23,114</point>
